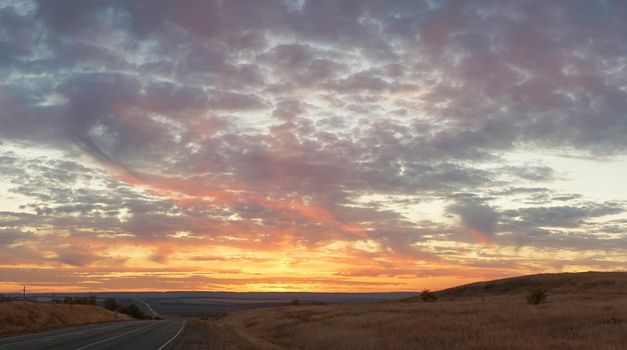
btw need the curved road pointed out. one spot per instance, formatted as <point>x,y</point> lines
<point>126,335</point>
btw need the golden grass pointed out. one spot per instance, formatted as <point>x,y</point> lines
<point>200,335</point>
<point>580,283</point>
<point>496,322</point>
<point>22,317</point>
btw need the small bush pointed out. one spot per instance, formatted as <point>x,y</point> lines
<point>428,296</point>
<point>111,304</point>
<point>134,311</point>
<point>294,302</point>
<point>536,296</point>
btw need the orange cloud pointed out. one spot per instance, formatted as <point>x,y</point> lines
<point>480,237</point>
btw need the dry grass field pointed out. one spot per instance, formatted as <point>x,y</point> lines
<point>201,335</point>
<point>22,317</point>
<point>581,283</point>
<point>582,311</point>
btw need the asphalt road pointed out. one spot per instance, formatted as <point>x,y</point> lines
<point>126,335</point>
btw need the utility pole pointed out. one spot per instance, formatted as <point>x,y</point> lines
<point>24,293</point>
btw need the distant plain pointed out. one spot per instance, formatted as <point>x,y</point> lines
<point>210,304</point>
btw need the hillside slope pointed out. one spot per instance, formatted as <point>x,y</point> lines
<point>21,317</point>
<point>583,311</point>
<point>556,283</point>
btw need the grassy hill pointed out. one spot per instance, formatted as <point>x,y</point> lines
<point>583,311</point>
<point>23,317</point>
<point>555,283</point>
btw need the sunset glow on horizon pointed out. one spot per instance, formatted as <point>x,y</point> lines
<point>309,145</point>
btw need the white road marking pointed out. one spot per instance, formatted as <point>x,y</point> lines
<point>47,339</point>
<point>174,337</point>
<point>117,336</point>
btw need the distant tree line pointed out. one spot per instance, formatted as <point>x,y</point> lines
<point>90,300</point>
<point>6,298</point>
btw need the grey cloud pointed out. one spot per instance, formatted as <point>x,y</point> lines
<point>288,109</point>
<point>360,82</point>
<point>290,56</point>
<point>567,197</point>
<point>573,239</point>
<point>595,95</point>
<point>476,216</point>
<point>522,190</point>
<point>21,255</point>
<point>531,172</point>
<point>563,216</point>
<point>236,102</point>
<point>76,256</point>
<point>14,43</point>
<point>58,189</point>
<point>302,66</point>
<point>12,236</point>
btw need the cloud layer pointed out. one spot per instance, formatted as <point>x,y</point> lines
<point>364,145</point>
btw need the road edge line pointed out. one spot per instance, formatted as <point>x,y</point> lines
<point>174,337</point>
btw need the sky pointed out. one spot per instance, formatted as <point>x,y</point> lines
<point>309,145</point>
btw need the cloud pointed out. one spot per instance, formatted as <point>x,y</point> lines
<point>480,220</point>
<point>531,172</point>
<point>234,101</point>
<point>12,236</point>
<point>292,124</point>
<point>563,216</point>
<point>76,256</point>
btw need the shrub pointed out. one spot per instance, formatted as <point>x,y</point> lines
<point>134,311</point>
<point>428,296</point>
<point>111,304</point>
<point>536,296</point>
<point>294,302</point>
